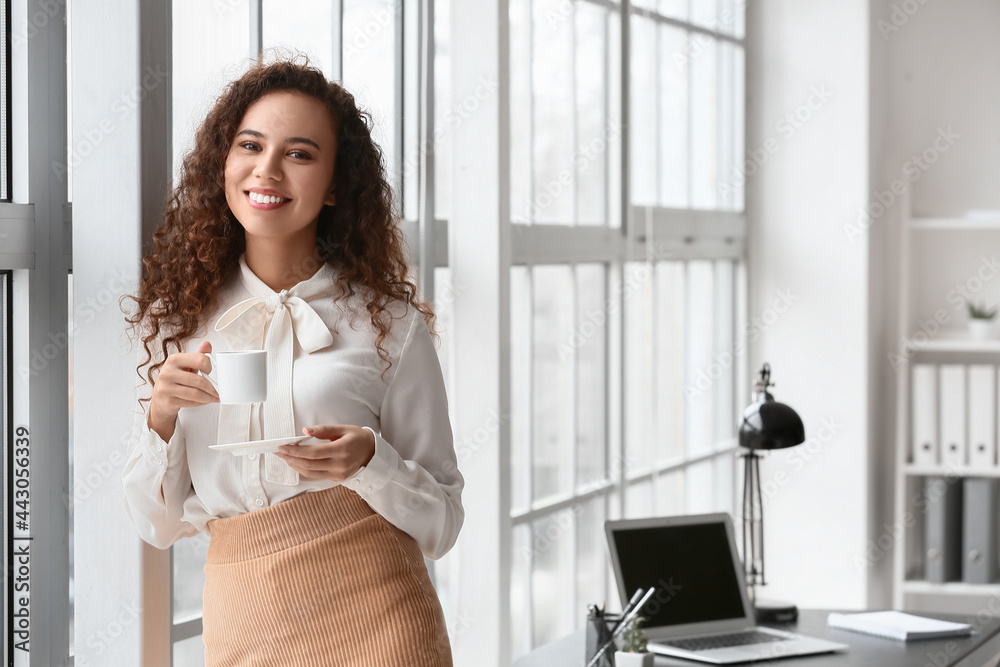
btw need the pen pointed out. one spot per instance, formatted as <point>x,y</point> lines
<point>631,604</point>
<point>621,624</point>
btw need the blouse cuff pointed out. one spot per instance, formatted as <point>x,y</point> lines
<point>156,452</point>
<point>379,471</point>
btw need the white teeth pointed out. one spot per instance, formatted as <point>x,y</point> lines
<point>265,199</point>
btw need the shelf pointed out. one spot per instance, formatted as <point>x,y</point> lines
<point>951,588</point>
<point>957,224</point>
<point>914,470</point>
<point>956,340</point>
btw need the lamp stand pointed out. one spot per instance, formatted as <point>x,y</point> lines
<point>766,611</point>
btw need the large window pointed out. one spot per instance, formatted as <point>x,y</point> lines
<point>613,333</point>
<point>627,269</point>
<point>625,276</point>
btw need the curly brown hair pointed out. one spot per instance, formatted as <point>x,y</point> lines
<point>200,242</point>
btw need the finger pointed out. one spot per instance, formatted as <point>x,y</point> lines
<point>190,362</point>
<point>305,452</point>
<point>205,347</point>
<point>183,403</point>
<point>193,380</point>
<point>193,395</point>
<point>296,465</point>
<point>326,431</point>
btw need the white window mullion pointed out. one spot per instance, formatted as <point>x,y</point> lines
<point>337,52</point>
<point>111,51</point>
<point>529,391</point>
<point>530,17</point>
<point>574,391</point>
<point>689,370</point>
<point>479,256</point>
<point>528,469</point>
<point>617,334</point>
<point>574,124</point>
<point>425,185</point>
<point>256,28</point>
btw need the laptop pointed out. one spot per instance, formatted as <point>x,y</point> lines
<point>700,609</point>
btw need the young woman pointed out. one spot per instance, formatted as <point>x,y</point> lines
<point>281,236</point>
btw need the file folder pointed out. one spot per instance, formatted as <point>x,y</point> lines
<point>943,529</point>
<point>982,416</point>
<point>924,414</point>
<point>979,531</point>
<point>953,401</point>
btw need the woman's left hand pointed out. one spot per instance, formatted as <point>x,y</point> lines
<point>347,450</point>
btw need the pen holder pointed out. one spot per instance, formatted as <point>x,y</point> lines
<point>599,632</point>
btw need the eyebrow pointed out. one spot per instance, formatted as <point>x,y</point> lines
<point>289,140</point>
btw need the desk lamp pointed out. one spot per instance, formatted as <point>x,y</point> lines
<point>766,425</point>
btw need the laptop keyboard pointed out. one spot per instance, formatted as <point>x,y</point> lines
<point>723,641</point>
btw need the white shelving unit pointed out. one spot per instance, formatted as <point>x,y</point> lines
<point>935,253</point>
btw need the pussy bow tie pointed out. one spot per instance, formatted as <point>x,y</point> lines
<point>243,325</point>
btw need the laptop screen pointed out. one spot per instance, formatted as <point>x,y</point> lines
<point>692,568</point>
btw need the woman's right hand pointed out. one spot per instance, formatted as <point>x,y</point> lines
<point>180,386</point>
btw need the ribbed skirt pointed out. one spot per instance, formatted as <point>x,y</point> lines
<point>319,580</point>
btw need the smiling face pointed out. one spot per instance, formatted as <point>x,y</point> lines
<point>279,171</point>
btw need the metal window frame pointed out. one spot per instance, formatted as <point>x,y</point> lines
<point>6,101</point>
<point>33,246</point>
<point>7,427</point>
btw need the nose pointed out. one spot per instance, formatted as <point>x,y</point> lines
<point>268,165</point>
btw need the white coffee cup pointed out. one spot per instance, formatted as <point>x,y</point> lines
<point>239,376</point>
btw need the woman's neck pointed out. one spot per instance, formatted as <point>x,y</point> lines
<point>282,265</point>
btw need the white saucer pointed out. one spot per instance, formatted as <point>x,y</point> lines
<point>262,446</point>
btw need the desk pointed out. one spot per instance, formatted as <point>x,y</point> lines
<point>979,650</point>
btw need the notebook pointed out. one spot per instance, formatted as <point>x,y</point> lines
<point>897,625</point>
<point>700,609</point>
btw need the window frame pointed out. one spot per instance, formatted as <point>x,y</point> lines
<point>34,247</point>
<point>645,233</point>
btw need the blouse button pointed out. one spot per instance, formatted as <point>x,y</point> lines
<point>253,457</point>
<point>258,502</point>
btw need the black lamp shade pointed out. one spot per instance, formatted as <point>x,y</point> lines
<point>768,424</point>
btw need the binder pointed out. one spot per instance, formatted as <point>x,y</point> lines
<point>943,529</point>
<point>982,416</point>
<point>954,444</point>
<point>979,531</point>
<point>924,414</point>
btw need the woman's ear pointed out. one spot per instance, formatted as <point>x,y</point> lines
<point>331,198</point>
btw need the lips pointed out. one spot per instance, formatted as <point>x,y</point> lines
<point>265,199</point>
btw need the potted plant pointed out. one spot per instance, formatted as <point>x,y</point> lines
<point>980,321</point>
<point>633,651</point>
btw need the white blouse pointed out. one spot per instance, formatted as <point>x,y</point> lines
<point>323,368</point>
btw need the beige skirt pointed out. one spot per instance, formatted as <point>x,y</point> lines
<point>319,579</point>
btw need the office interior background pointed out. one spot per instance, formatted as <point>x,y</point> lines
<point>620,210</point>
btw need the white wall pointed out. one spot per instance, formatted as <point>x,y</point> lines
<point>809,111</point>
<point>933,68</point>
<point>944,70</point>
<point>900,75</point>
